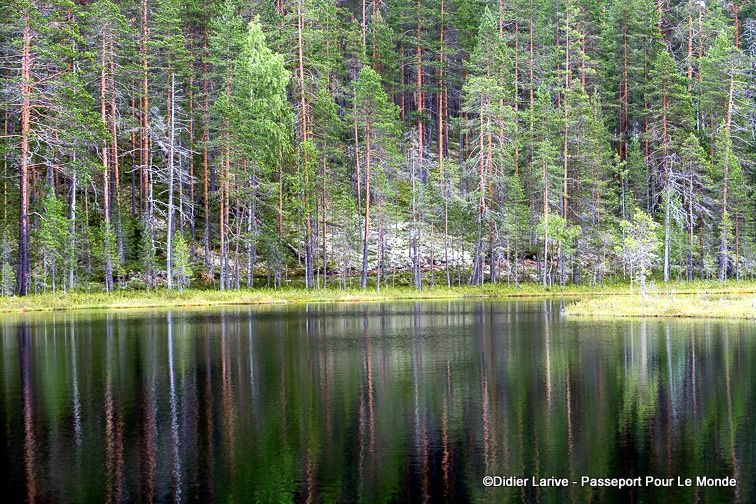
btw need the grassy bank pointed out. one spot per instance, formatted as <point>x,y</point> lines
<point>700,305</point>
<point>618,294</point>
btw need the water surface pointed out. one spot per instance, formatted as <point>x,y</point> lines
<point>395,402</point>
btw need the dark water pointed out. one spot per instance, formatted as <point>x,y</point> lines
<point>372,403</point>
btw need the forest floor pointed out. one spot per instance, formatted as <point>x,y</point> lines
<point>681,299</point>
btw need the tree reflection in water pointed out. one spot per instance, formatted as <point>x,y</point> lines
<point>368,403</point>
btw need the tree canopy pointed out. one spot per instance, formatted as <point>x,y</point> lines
<point>235,143</point>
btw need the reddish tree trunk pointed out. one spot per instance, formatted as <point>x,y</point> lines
<point>23,267</point>
<point>105,168</point>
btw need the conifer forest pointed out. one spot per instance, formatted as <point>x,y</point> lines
<point>228,144</point>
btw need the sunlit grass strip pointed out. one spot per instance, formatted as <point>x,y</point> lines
<point>195,297</point>
<point>165,298</point>
<point>723,306</point>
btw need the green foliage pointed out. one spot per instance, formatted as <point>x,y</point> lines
<point>147,254</point>
<point>574,112</point>
<point>53,239</point>
<point>374,111</point>
<point>181,262</point>
<point>671,105</point>
<point>7,274</point>
<point>261,112</point>
<point>560,233</point>
<point>545,152</point>
<point>640,245</point>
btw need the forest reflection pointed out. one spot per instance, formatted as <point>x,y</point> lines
<point>368,403</point>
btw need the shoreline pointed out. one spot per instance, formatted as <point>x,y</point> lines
<point>605,305</point>
<point>708,305</point>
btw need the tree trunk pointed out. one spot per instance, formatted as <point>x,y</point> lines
<point>305,164</point>
<point>701,252</point>
<point>72,228</point>
<point>205,174</point>
<point>624,97</point>
<point>366,235</point>
<point>5,175</point>
<point>441,97</point>
<point>690,228</point>
<point>23,266</point>
<point>725,182</point>
<point>446,234</point>
<point>642,278</point>
<point>516,99</point>
<point>381,270</point>
<point>419,88</point>
<point>565,145</point>
<point>690,46</point>
<point>667,181</point>
<point>132,101</point>
<point>146,161</point>
<point>667,230</point>
<point>415,232</point>
<point>252,232</point>
<point>736,25</point>
<point>737,247</point>
<point>105,168</point>
<point>171,149</point>
<point>324,257</point>
<point>190,101</point>
<point>364,26</point>
<point>477,276</point>
<point>357,164</point>
<point>544,176</point>
<point>279,226</point>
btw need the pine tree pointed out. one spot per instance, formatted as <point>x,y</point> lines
<point>694,181</point>
<point>50,96</point>
<point>724,90</point>
<point>515,226</point>
<point>227,34</point>
<point>671,121</point>
<point>724,166</point>
<point>110,27</point>
<point>487,127</point>
<point>509,114</point>
<point>171,60</point>
<point>545,159</point>
<point>377,120</point>
<point>724,101</point>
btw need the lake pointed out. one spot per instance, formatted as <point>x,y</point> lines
<point>391,402</point>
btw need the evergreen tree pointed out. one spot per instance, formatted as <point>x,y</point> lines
<point>53,241</point>
<point>488,128</point>
<point>545,159</point>
<point>377,120</point>
<point>671,121</point>
<point>695,182</point>
<point>321,135</point>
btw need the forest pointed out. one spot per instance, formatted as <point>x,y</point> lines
<point>229,144</point>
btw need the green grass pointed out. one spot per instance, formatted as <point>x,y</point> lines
<point>195,297</point>
<point>701,305</point>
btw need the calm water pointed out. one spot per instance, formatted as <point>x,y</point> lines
<point>372,403</point>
